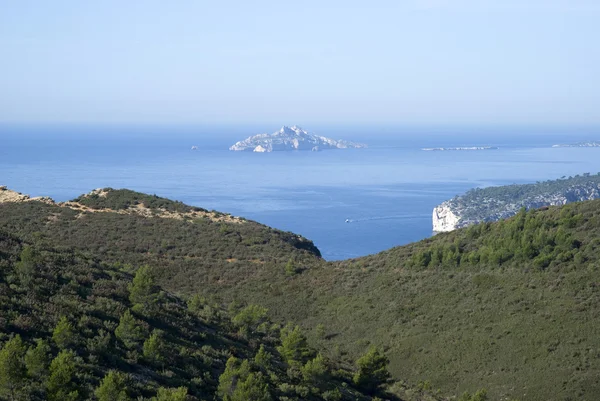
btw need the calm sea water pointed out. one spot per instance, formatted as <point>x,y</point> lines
<point>387,191</point>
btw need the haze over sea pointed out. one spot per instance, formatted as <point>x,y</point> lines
<point>387,191</point>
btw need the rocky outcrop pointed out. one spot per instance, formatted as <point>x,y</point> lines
<point>291,138</point>
<point>444,218</point>
<point>498,203</point>
<point>7,195</point>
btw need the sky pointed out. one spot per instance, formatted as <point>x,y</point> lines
<point>396,62</point>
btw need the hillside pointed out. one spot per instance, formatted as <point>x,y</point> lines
<point>75,328</point>
<point>503,306</point>
<point>497,203</point>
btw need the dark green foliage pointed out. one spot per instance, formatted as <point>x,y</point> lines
<point>112,387</point>
<point>84,306</point>
<point>294,347</point>
<point>249,318</point>
<point>143,292</point>
<point>504,305</point>
<point>63,334</point>
<point>12,368</point>
<point>154,348</point>
<point>480,395</point>
<point>61,385</point>
<point>37,359</point>
<point>263,358</point>
<point>119,199</point>
<point>171,394</point>
<point>371,370</point>
<point>239,383</point>
<point>26,266</point>
<point>130,330</point>
<point>315,370</point>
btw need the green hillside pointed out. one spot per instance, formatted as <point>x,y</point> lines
<point>510,306</point>
<point>75,328</point>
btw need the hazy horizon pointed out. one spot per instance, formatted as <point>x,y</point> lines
<point>401,63</point>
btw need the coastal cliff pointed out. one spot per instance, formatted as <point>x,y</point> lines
<point>498,203</point>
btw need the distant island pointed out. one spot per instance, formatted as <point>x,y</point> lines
<point>461,148</point>
<point>593,144</point>
<point>291,138</point>
<point>497,203</point>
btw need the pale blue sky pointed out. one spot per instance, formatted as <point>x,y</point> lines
<point>405,62</point>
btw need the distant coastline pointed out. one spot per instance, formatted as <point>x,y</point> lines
<point>592,144</point>
<point>460,148</point>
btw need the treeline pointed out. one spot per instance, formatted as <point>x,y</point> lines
<point>531,238</point>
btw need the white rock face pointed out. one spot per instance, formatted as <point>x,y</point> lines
<point>444,219</point>
<point>483,205</point>
<point>292,138</point>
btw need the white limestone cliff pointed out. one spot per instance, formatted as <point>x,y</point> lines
<point>485,205</point>
<point>444,219</point>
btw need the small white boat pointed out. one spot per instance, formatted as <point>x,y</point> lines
<point>347,220</point>
<point>194,147</point>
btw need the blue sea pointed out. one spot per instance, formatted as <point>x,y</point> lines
<point>387,192</point>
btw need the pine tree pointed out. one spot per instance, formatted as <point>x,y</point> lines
<point>25,267</point>
<point>63,334</point>
<point>294,347</point>
<point>154,348</point>
<point>238,383</point>
<point>372,370</point>
<point>112,387</point>
<point>250,317</point>
<point>143,290</point>
<point>171,394</point>
<point>60,384</point>
<point>263,358</point>
<point>129,330</point>
<point>315,370</point>
<point>12,367</point>
<point>37,359</point>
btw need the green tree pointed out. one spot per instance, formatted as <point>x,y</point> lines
<point>249,318</point>
<point>143,292</point>
<point>63,334</point>
<point>253,388</point>
<point>320,331</point>
<point>129,330</point>
<point>480,395</point>
<point>315,370</point>
<point>238,383</point>
<point>294,347</point>
<point>290,268</point>
<point>154,348</point>
<point>60,384</point>
<point>263,357</point>
<point>372,370</point>
<point>26,266</point>
<point>112,387</point>
<point>37,359</point>
<point>12,367</point>
<point>171,394</point>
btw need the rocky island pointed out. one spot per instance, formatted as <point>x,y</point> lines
<point>594,144</point>
<point>461,148</point>
<point>291,138</point>
<point>497,203</point>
